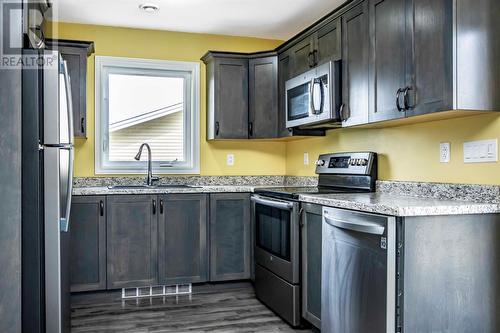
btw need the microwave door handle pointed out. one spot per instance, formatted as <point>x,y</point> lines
<point>363,227</point>
<point>272,203</point>
<point>322,93</point>
<point>311,97</point>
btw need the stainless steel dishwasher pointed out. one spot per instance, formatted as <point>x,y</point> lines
<point>358,272</point>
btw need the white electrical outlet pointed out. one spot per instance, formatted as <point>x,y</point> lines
<point>230,159</point>
<point>444,152</point>
<point>306,158</point>
<point>482,151</point>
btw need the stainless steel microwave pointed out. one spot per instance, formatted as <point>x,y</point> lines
<point>314,98</point>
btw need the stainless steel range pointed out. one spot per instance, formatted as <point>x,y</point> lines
<point>276,220</point>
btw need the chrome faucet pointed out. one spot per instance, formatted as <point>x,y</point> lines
<point>150,180</point>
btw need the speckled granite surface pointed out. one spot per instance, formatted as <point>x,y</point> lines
<point>391,198</point>
<point>445,191</point>
<point>102,190</point>
<point>187,180</point>
<point>400,205</point>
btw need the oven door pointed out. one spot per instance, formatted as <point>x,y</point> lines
<point>277,236</point>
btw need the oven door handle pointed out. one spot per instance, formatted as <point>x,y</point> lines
<point>364,227</point>
<point>272,203</point>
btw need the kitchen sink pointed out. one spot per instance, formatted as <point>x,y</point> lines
<point>125,187</point>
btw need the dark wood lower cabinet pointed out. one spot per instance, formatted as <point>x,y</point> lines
<point>230,235</point>
<point>182,234</point>
<point>88,243</point>
<point>311,236</point>
<point>132,241</point>
<point>122,241</point>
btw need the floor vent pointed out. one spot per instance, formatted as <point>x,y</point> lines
<point>178,289</point>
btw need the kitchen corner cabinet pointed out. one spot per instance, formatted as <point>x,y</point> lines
<point>75,53</point>
<point>311,236</point>
<point>183,238</point>
<point>242,99</point>
<point>131,237</point>
<point>88,243</point>
<point>230,236</point>
<point>263,97</point>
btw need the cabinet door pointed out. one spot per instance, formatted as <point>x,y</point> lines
<point>284,69</point>
<point>131,241</point>
<point>183,251</point>
<point>231,110</point>
<point>76,60</point>
<point>311,263</point>
<point>230,236</point>
<point>301,56</point>
<point>263,112</point>
<point>88,243</point>
<point>387,58</point>
<point>329,42</point>
<point>355,65</point>
<point>430,56</point>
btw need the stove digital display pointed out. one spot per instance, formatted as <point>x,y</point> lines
<point>339,162</point>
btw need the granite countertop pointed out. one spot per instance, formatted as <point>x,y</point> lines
<point>102,190</point>
<point>400,205</point>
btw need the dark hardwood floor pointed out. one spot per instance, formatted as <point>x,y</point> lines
<point>232,310</point>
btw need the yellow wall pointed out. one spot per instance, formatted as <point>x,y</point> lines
<point>251,158</point>
<point>409,152</point>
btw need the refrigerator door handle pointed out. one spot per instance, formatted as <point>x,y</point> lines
<point>69,100</point>
<point>65,220</point>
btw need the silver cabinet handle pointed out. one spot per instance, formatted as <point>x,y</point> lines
<point>405,99</point>
<point>364,227</point>
<point>272,203</point>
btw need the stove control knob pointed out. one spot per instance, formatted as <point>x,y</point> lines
<point>320,163</point>
<point>364,162</point>
<point>358,161</point>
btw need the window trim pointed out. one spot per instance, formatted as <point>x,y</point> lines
<point>191,119</point>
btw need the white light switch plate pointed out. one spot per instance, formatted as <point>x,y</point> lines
<point>444,152</point>
<point>482,151</point>
<point>230,159</point>
<point>306,158</point>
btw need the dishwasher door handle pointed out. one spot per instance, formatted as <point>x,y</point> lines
<point>364,227</point>
<point>272,203</point>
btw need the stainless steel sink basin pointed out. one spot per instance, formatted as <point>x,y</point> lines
<point>126,187</point>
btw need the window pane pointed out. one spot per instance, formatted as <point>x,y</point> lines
<point>146,109</point>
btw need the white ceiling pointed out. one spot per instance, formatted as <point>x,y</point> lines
<point>277,19</point>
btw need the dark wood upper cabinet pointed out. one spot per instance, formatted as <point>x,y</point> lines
<point>227,96</point>
<point>263,97</point>
<point>284,73</point>
<point>329,42</point>
<point>230,236</point>
<point>132,241</point>
<point>320,46</point>
<point>242,95</point>
<point>88,243</point>
<point>387,58</point>
<point>302,55</point>
<point>355,65</point>
<point>75,53</point>
<point>183,238</point>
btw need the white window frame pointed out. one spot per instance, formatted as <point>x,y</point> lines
<point>103,66</point>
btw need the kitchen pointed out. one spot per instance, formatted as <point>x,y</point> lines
<point>202,166</point>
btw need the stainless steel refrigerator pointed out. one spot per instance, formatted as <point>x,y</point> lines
<point>47,185</point>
